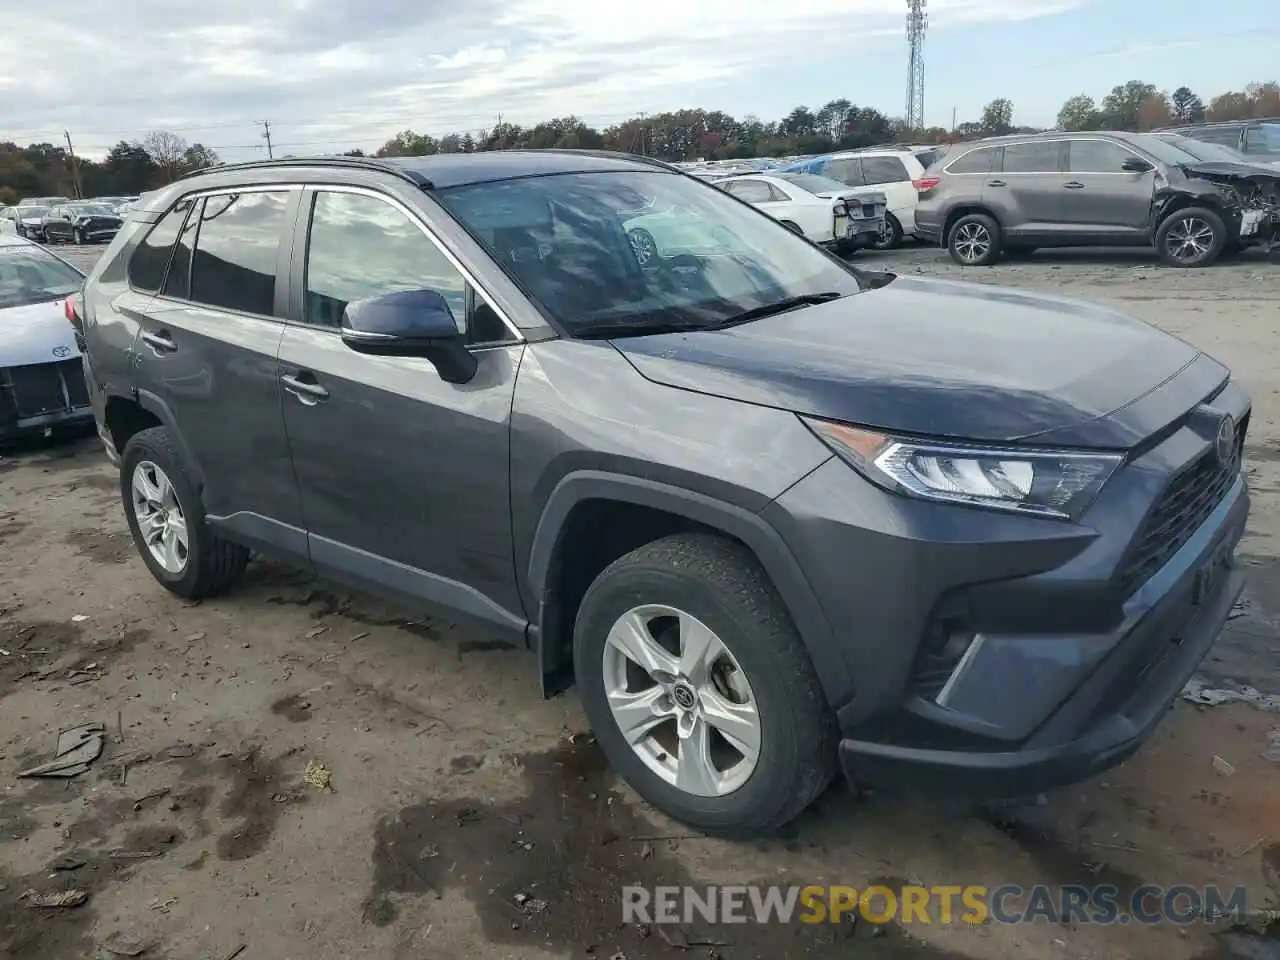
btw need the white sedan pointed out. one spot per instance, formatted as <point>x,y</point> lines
<point>825,211</point>
<point>41,382</point>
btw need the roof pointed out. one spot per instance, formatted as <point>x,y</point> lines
<point>442,170</point>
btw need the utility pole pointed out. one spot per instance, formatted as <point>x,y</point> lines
<point>953,119</point>
<point>644,147</point>
<point>266,135</point>
<point>501,134</point>
<point>75,167</point>
<point>917,25</point>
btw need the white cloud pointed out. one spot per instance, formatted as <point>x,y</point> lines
<point>330,73</point>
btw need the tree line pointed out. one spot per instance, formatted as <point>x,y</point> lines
<point>160,157</point>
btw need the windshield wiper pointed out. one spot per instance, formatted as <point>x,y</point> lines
<point>607,330</point>
<point>771,309</point>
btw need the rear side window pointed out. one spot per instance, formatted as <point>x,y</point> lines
<point>1034,157</point>
<point>234,264</point>
<point>927,158</point>
<point>883,170</point>
<point>151,258</point>
<point>177,282</point>
<point>752,191</point>
<point>847,170</point>
<point>975,161</point>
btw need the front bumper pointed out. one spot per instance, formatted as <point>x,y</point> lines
<point>40,398</point>
<point>928,232</point>
<point>44,424</point>
<point>1067,658</point>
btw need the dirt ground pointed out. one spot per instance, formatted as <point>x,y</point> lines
<point>466,817</point>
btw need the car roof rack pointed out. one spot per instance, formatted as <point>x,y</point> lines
<point>415,177</point>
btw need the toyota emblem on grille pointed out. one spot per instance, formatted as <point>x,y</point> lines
<point>62,351</point>
<point>1226,442</point>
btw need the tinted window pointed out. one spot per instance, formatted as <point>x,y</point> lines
<point>1035,157</point>
<point>927,158</point>
<point>1262,138</point>
<point>149,260</point>
<point>29,275</point>
<point>847,170</point>
<point>883,170</point>
<point>752,191</point>
<point>176,282</point>
<point>567,240</point>
<point>975,161</point>
<point>234,266</point>
<point>1097,156</point>
<point>1228,136</point>
<point>361,246</point>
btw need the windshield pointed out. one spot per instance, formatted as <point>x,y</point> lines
<point>641,248</point>
<point>32,213</point>
<point>813,183</point>
<point>1162,149</point>
<point>29,275</point>
<point>1206,151</point>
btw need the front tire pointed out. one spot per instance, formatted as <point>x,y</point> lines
<point>685,645</point>
<point>974,240</point>
<point>1191,237</point>
<point>167,521</point>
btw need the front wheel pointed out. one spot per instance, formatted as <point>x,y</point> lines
<point>974,241</point>
<point>699,689</point>
<point>1191,237</point>
<point>166,519</point>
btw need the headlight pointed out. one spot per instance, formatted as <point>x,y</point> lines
<point>1048,483</point>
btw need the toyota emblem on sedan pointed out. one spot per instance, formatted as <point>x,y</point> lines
<point>62,352</point>
<point>1226,442</point>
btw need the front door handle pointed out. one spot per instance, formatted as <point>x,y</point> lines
<point>1074,185</point>
<point>307,391</point>
<point>996,183</point>
<point>160,343</point>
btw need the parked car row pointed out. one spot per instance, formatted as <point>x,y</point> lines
<point>59,220</point>
<point>1011,195</point>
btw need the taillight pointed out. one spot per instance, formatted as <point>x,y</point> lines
<point>926,183</point>
<point>71,308</point>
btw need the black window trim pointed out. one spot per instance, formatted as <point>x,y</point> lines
<point>302,240</point>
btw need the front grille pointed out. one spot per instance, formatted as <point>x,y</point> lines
<point>1185,504</point>
<point>43,388</point>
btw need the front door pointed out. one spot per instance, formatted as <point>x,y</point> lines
<point>206,352</point>
<point>404,477</point>
<point>1100,200</point>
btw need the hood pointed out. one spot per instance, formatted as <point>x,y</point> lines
<point>1230,170</point>
<point>36,333</point>
<point>947,359</point>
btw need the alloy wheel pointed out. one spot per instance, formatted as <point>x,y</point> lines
<point>1189,239</point>
<point>681,700</point>
<point>972,242</point>
<point>160,518</point>
<point>643,246</point>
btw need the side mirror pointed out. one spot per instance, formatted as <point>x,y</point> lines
<point>1136,165</point>
<point>410,323</point>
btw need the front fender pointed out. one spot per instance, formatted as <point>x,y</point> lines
<point>768,546</point>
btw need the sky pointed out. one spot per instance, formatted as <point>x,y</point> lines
<point>334,74</point>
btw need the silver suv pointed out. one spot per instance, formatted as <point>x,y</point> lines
<point>1011,195</point>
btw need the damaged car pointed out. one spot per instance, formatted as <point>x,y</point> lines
<point>1007,196</point>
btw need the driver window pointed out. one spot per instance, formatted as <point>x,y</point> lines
<point>361,246</point>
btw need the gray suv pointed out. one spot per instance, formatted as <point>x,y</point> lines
<point>774,516</point>
<point>1012,195</point>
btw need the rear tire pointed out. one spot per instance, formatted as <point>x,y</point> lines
<point>974,240</point>
<point>691,586</point>
<point>893,234</point>
<point>1191,237</point>
<point>208,565</point>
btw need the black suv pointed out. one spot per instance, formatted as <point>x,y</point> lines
<point>773,515</point>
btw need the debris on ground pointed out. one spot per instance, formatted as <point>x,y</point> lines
<point>180,751</point>
<point>53,901</point>
<point>150,798</point>
<point>1224,767</point>
<point>67,863</point>
<point>124,946</point>
<point>318,776</point>
<point>1199,691</point>
<point>79,618</point>
<point>77,748</point>
<point>1273,746</point>
<point>163,905</point>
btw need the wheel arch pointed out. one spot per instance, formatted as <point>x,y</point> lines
<point>661,510</point>
<point>964,210</point>
<point>125,416</point>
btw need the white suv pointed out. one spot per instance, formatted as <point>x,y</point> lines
<point>892,170</point>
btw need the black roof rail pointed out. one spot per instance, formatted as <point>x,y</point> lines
<point>363,163</point>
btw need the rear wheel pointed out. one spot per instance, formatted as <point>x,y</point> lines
<point>892,234</point>
<point>166,519</point>
<point>1191,237</point>
<point>699,689</point>
<point>974,240</point>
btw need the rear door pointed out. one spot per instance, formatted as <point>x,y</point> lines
<point>206,353</point>
<point>1101,201</point>
<point>1026,193</point>
<point>404,477</point>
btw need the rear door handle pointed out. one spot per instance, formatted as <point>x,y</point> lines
<point>996,183</point>
<point>160,342</point>
<point>1074,185</point>
<point>307,391</point>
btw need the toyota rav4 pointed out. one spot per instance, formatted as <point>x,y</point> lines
<point>774,516</point>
